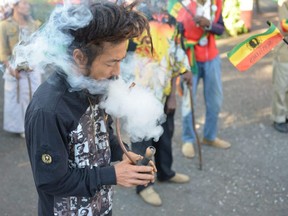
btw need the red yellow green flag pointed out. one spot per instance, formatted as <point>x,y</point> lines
<point>173,7</point>
<point>247,53</point>
<point>284,25</point>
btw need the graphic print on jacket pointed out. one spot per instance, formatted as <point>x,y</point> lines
<point>88,147</point>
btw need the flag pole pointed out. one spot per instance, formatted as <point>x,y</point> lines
<point>269,23</point>
<point>193,125</point>
<point>285,41</point>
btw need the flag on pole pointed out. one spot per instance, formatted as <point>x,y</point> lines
<point>173,8</point>
<point>284,25</point>
<point>247,53</point>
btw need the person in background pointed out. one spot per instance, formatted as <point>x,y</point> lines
<point>20,82</point>
<point>2,12</point>
<point>71,165</point>
<point>158,71</point>
<point>280,74</point>
<point>5,10</point>
<point>201,22</point>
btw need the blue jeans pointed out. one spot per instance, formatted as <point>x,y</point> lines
<point>210,72</point>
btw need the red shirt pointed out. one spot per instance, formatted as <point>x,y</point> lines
<point>192,33</point>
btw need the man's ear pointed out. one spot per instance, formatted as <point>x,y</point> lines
<point>79,58</point>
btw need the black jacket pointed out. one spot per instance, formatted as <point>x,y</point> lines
<point>70,143</point>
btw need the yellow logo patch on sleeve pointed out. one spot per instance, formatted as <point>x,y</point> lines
<point>46,158</point>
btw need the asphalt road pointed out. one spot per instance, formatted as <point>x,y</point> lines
<point>250,179</point>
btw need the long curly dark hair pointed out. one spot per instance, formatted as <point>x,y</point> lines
<point>111,22</point>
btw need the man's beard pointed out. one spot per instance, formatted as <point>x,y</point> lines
<point>80,82</point>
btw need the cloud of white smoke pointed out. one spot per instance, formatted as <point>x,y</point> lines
<point>140,111</point>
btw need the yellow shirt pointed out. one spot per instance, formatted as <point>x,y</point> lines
<point>166,61</point>
<point>10,34</point>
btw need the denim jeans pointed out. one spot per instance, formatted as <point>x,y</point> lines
<point>210,72</point>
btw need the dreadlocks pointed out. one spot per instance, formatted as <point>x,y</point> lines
<point>110,23</point>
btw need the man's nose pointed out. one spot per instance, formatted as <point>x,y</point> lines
<point>116,69</point>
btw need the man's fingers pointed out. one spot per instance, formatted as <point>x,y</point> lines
<point>152,164</point>
<point>134,156</point>
<point>142,179</point>
<point>138,179</point>
<point>143,169</point>
<point>128,175</point>
<point>135,182</point>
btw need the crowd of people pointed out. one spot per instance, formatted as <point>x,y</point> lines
<point>69,135</point>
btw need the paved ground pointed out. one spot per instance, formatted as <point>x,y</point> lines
<point>250,179</point>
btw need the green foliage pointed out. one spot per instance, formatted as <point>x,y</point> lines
<point>232,19</point>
